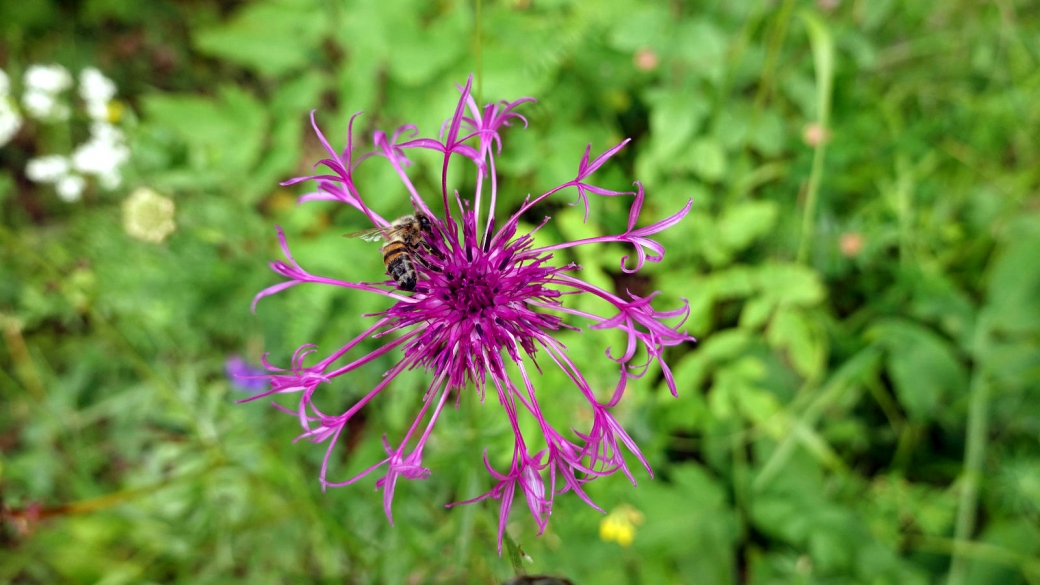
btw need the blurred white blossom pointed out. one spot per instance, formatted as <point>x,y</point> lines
<point>47,78</point>
<point>70,187</point>
<point>43,86</point>
<point>148,216</point>
<point>101,156</point>
<point>10,119</point>
<point>47,169</point>
<point>57,170</point>
<point>44,106</point>
<point>96,91</point>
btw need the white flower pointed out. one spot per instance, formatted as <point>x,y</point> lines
<point>10,120</point>
<point>47,169</point>
<point>148,215</point>
<point>44,106</point>
<point>102,155</point>
<point>47,78</point>
<point>94,87</point>
<point>97,110</point>
<point>106,132</point>
<point>5,84</point>
<point>110,180</point>
<point>99,158</point>
<point>70,187</point>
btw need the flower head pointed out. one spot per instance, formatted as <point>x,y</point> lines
<point>148,216</point>
<point>43,86</point>
<point>487,303</point>
<point>102,156</point>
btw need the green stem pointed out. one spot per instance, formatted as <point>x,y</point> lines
<point>974,457</point>
<point>776,42</point>
<point>823,60</point>
<point>513,552</point>
<point>480,55</point>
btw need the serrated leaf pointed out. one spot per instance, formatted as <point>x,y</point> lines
<point>707,159</point>
<point>1013,303</point>
<point>724,345</point>
<point>769,134</point>
<point>791,284</point>
<point>226,134</point>
<point>414,63</point>
<point>674,118</point>
<point>792,331</point>
<point>734,282</point>
<point>272,37</point>
<point>701,44</point>
<point>923,366</point>
<point>756,311</point>
<point>740,225</point>
<point>647,25</point>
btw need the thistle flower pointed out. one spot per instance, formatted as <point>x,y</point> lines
<point>488,302</point>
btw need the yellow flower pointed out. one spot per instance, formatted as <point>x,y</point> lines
<point>620,525</point>
<point>115,109</point>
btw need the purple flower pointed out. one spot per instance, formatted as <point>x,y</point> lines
<point>244,375</point>
<point>487,296</point>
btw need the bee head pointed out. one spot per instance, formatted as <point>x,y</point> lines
<point>424,222</point>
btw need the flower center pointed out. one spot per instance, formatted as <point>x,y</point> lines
<point>470,290</point>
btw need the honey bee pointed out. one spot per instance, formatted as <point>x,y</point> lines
<point>403,237</point>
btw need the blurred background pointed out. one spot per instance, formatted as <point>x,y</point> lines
<point>862,262</point>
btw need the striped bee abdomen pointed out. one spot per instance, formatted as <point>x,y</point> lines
<point>399,265</point>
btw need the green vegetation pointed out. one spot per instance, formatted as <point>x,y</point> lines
<point>862,263</point>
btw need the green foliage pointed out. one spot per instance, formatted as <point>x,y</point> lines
<point>860,262</point>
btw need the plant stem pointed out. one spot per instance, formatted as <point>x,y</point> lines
<point>823,60</point>
<point>974,457</point>
<point>513,551</point>
<point>480,55</point>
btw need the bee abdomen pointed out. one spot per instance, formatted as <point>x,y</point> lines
<point>399,265</point>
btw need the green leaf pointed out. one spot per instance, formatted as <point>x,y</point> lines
<point>769,134</point>
<point>741,224</point>
<point>414,63</point>
<point>288,106</point>
<point>791,284</point>
<point>648,25</point>
<point>674,118</point>
<point>706,159</point>
<point>803,340</point>
<point>702,45</point>
<point>923,366</point>
<point>1013,302</point>
<point>225,134</point>
<point>272,37</point>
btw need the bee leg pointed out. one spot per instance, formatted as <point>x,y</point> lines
<point>419,257</point>
<point>431,250</point>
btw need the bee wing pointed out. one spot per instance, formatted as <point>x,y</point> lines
<point>369,235</point>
